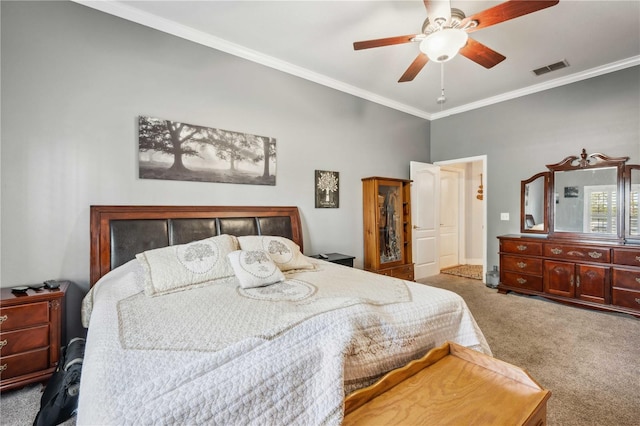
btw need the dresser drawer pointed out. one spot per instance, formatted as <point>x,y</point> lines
<point>24,363</point>
<point>577,253</point>
<point>404,272</point>
<point>626,298</point>
<point>12,342</point>
<point>523,281</point>
<point>626,257</point>
<point>626,278</point>
<point>24,315</point>
<point>526,265</point>
<point>521,247</point>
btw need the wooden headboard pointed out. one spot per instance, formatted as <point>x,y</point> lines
<point>119,232</point>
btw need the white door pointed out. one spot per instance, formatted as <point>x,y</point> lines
<point>425,215</point>
<point>449,217</point>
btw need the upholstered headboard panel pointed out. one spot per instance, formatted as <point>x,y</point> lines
<point>118,233</point>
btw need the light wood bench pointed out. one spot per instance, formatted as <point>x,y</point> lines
<point>451,385</point>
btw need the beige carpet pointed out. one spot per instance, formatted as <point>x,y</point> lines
<point>467,271</point>
<point>589,360</point>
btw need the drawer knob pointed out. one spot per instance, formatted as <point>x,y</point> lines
<point>3,343</point>
<point>3,318</point>
<point>594,254</point>
<point>521,265</point>
<point>521,280</point>
<point>3,367</point>
<point>522,247</point>
<point>556,250</point>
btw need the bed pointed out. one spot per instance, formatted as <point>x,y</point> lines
<point>222,352</point>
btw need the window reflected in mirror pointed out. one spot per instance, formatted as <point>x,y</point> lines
<point>586,201</point>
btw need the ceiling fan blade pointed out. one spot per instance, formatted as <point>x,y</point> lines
<point>481,54</point>
<point>368,44</point>
<point>416,66</point>
<point>505,11</point>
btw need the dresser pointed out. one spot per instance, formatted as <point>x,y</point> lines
<point>597,275</point>
<point>387,226</point>
<point>30,335</point>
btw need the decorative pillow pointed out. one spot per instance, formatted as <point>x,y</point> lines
<point>284,252</point>
<point>184,266</point>
<point>254,268</point>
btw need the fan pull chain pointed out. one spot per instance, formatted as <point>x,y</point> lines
<point>442,99</point>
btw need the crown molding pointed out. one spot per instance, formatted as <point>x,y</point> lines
<point>590,73</point>
<point>129,13</point>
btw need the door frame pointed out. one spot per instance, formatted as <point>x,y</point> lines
<point>485,192</point>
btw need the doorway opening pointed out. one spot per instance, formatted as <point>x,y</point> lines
<point>465,179</point>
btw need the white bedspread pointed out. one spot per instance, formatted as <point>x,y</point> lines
<point>252,368</point>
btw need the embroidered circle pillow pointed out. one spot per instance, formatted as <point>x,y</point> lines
<point>284,252</point>
<point>254,268</point>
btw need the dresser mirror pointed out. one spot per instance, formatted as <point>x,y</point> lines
<point>632,192</point>
<point>587,197</point>
<point>534,204</point>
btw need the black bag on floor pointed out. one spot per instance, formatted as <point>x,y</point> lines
<point>59,401</point>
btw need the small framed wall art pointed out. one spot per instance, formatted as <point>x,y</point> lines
<point>327,185</point>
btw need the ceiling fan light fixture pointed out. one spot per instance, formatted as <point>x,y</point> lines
<point>443,45</point>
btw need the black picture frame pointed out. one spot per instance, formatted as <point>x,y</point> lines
<point>327,189</point>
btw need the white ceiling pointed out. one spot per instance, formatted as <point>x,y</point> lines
<point>314,40</point>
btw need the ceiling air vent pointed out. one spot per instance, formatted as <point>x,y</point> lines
<point>552,67</point>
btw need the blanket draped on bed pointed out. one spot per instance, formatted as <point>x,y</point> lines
<point>290,361</point>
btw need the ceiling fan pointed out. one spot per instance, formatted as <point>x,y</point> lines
<point>445,33</point>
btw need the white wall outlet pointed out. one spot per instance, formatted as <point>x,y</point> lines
<point>504,216</point>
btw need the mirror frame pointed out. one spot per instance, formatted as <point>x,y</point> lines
<point>523,184</point>
<point>586,162</point>
<point>627,194</point>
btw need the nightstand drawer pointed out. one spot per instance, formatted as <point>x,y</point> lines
<point>24,363</point>
<point>12,342</point>
<point>24,315</point>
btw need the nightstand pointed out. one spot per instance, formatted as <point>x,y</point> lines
<point>30,335</point>
<point>341,259</point>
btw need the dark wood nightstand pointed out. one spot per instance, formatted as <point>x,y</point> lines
<point>341,259</point>
<point>30,335</point>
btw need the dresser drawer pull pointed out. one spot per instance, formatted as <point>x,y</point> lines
<point>594,254</point>
<point>556,250</point>
<point>638,300</point>
<point>521,280</point>
<point>3,343</point>
<point>523,248</point>
<point>521,265</point>
<point>3,318</point>
<point>638,280</point>
<point>3,367</point>
<point>638,258</point>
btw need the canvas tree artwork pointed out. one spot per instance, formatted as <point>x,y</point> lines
<point>179,151</point>
<point>327,189</point>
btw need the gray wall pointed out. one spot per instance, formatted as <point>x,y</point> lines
<point>521,136</point>
<point>74,81</point>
